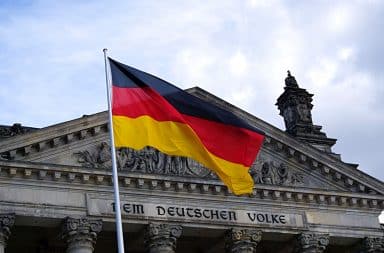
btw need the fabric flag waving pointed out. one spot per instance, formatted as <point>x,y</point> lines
<point>148,111</point>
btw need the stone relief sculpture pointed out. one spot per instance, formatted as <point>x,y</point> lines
<point>147,160</point>
<point>271,172</point>
<point>100,158</point>
<point>151,161</point>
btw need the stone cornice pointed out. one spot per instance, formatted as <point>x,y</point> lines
<point>90,178</point>
<point>342,174</point>
<point>53,135</point>
<point>330,167</point>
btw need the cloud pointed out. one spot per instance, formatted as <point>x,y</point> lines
<point>238,64</point>
<point>52,63</point>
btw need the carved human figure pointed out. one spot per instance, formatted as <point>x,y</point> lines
<point>161,238</point>
<point>304,113</point>
<point>134,161</point>
<point>283,174</point>
<point>267,173</point>
<point>152,158</point>
<point>239,240</point>
<point>290,81</point>
<point>104,154</point>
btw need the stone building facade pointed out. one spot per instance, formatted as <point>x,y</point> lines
<point>56,192</point>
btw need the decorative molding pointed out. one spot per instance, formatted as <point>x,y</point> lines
<point>80,233</point>
<point>6,223</point>
<point>89,177</point>
<point>161,237</point>
<point>45,144</point>
<point>308,242</point>
<point>263,171</point>
<point>339,176</point>
<point>152,161</point>
<point>242,240</point>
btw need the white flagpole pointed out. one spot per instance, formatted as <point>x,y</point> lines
<point>119,227</point>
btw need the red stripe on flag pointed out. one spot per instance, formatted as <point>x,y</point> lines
<point>220,139</point>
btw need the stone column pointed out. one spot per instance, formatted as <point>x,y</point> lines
<point>372,245</point>
<point>161,238</point>
<point>80,234</point>
<point>6,222</point>
<point>312,242</point>
<point>242,240</point>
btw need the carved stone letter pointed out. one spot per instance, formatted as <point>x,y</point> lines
<point>242,240</point>
<point>161,238</point>
<point>80,234</point>
<point>6,222</point>
<point>312,243</point>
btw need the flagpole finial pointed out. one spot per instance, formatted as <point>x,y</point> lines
<point>105,50</point>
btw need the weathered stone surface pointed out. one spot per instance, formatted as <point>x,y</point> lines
<point>161,238</point>
<point>308,242</point>
<point>80,234</point>
<point>242,240</point>
<point>199,212</point>
<point>147,160</point>
<point>372,245</point>
<point>295,105</point>
<point>265,170</point>
<point>15,129</point>
<point>344,219</point>
<point>6,223</point>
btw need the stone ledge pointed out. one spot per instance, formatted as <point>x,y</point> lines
<point>44,145</point>
<point>342,179</point>
<point>74,130</point>
<point>339,178</point>
<point>76,175</point>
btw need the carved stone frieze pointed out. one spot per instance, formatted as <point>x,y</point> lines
<point>242,240</point>
<point>81,233</point>
<point>270,172</point>
<point>161,238</point>
<point>147,160</point>
<point>372,245</point>
<point>6,223</point>
<point>312,242</point>
<point>98,158</point>
<point>152,161</point>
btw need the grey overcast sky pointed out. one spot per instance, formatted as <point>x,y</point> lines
<point>51,62</point>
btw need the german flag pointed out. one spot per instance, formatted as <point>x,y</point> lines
<point>148,111</point>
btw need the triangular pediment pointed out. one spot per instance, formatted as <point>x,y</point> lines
<point>283,161</point>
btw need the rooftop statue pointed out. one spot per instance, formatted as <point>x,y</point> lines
<point>290,81</point>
